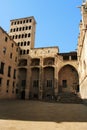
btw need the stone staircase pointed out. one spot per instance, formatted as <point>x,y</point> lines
<point>66,97</point>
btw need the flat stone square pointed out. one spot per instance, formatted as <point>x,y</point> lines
<point>36,115</point>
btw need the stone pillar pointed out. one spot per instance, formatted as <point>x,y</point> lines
<point>27,84</point>
<point>41,81</point>
<point>55,82</point>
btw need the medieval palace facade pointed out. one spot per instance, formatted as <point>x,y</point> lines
<point>40,73</point>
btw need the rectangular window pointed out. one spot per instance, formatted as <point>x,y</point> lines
<point>0,82</point>
<point>11,55</point>
<point>9,71</point>
<point>14,76</point>
<point>23,83</point>
<point>35,83</point>
<point>65,57</point>
<point>6,39</point>
<point>1,68</point>
<point>7,83</point>
<point>64,83</point>
<point>49,83</point>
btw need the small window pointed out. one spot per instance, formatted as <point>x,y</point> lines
<point>28,43</point>
<point>26,27</point>
<point>22,35</point>
<point>20,29</point>
<point>0,82</point>
<point>23,28</point>
<point>13,37</point>
<point>7,83</point>
<point>49,83</point>
<point>20,22</point>
<point>27,21</point>
<point>4,50</point>
<point>20,52</point>
<point>64,83</point>
<point>14,76</point>
<point>16,37</point>
<point>29,35</point>
<point>18,43</point>
<point>1,68</point>
<point>25,43</point>
<point>21,43</point>
<point>24,21</point>
<point>29,27</point>
<point>25,35</point>
<point>14,23</point>
<point>30,20</point>
<point>27,51</point>
<point>17,22</point>
<point>23,83</point>
<point>16,29</point>
<point>9,71</point>
<point>11,55</point>
<point>6,39</point>
<point>35,83</point>
<point>19,36</point>
<point>24,51</point>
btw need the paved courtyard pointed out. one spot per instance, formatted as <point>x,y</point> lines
<point>36,115</point>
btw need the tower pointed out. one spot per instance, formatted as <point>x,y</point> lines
<point>84,13</point>
<point>22,31</point>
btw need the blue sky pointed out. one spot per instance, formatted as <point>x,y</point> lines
<point>57,20</point>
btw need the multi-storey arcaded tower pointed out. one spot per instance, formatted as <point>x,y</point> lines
<point>23,32</point>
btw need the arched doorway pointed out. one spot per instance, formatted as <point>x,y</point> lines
<point>68,79</point>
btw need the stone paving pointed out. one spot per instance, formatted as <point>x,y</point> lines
<point>36,115</point>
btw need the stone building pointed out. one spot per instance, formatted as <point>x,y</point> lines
<point>82,52</point>
<point>41,73</point>
<point>8,65</point>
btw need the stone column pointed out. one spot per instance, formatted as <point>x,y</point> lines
<point>27,84</point>
<point>41,80</point>
<point>55,81</point>
<point>28,75</point>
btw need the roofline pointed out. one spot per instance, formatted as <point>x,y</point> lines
<point>46,47</point>
<point>24,18</point>
<point>7,35</point>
